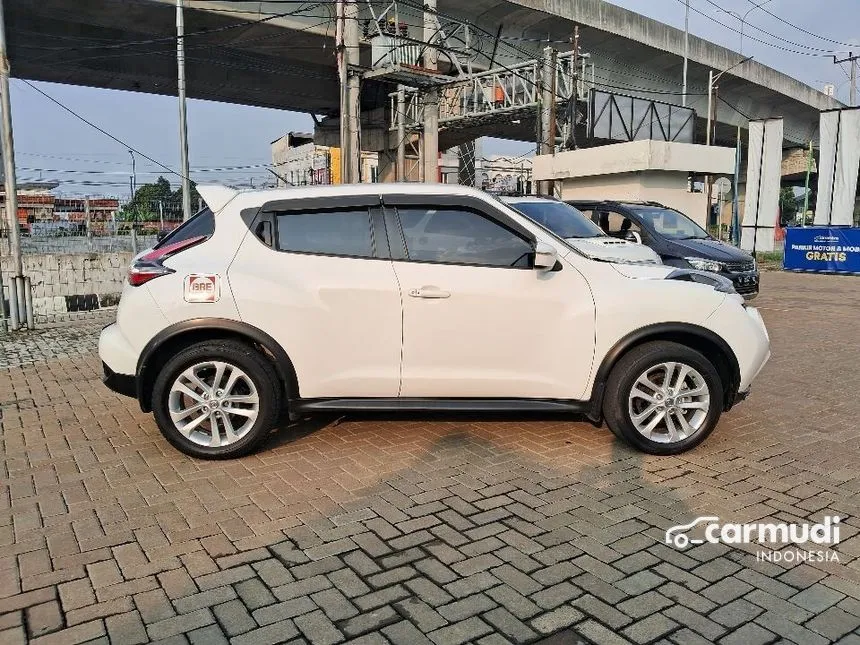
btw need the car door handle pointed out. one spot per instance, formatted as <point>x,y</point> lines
<point>429,292</point>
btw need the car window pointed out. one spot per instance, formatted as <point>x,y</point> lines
<point>562,219</point>
<point>460,236</point>
<point>342,232</point>
<point>670,223</point>
<point>203,223</point>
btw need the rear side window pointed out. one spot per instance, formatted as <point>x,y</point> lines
<point>202,224</point>
<point>341,232</point>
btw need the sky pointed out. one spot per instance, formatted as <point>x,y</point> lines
<point>50,142</point>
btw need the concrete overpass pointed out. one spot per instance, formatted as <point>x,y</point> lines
<point>281,55</point>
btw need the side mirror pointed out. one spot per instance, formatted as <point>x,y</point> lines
<point>546,257</point>
<point>161,235</point>
<point>633,236</point>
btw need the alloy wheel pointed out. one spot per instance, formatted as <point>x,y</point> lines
<point>669,402</point>
<point>213,403</point>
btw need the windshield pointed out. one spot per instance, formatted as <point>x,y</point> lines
<point>670,223</point>
<point>560,218</point>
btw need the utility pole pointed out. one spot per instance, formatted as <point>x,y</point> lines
<point>133,174</point>
<point>347,55</point>
<point>574,111</point>
<point>353,81</point>
<point>852,58</point>
<point>183,114</point>
<point>430,157</point>
<point>546,136</point>
<point>686,52</point>
<point>400,168</point>
<point>17,304</point>
<point>712,113</point>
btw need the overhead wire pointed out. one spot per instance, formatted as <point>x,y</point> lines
<point>753,38</point>
<point>96,127</point>
<point>790,42</point>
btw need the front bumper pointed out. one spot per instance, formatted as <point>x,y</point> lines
<point>746,284</point>
<point>120,383</point>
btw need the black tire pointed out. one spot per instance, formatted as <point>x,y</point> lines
<point>616,408</point>
<point>250,361</point>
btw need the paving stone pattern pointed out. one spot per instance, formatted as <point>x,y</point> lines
<point>429,529</point>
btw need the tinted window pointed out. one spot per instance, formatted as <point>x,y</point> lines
<point>345,232</point>
<point>203,223</point>
<point>562,219</point>
<point>670,223</point>
<point>458,236</point>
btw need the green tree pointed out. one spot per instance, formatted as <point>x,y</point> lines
<point>143,207</point>
<point>787,206</point>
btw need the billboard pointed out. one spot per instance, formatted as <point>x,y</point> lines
<point>823,249</point>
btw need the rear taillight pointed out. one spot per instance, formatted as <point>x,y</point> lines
<point>149,266</point>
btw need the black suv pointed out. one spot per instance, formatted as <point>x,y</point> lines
<point>677,239</point>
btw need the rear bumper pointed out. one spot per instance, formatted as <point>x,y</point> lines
<point>124,384</point>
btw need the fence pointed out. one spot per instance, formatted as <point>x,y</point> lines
<point>54,225</point>
<point>77,251</point>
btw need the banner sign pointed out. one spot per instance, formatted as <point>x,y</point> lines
<point>764,172</point>
<point>838,168</point>
<point>822,249</point>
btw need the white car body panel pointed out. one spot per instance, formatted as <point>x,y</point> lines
<point>339,319</point>
<point>610,249</point>
<point>502,333</point>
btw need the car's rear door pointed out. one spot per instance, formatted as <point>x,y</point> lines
<point>478,322</point>
<point>315,274</point>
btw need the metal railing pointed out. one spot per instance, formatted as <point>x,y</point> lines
<point>498,91</point>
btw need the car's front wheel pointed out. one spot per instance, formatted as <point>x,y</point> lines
<point>663,398</point>
<point>216,399</point>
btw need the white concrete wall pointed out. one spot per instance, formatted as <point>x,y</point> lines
<point>669,188</point>
<point>633,156</point>
<point>65,284</point>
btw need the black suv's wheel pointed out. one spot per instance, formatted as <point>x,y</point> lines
<point>663,398</point>
<point>216,399</point>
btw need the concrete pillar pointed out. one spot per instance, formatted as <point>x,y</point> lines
<point>430,150</point>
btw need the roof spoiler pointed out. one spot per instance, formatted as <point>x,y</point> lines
<point>216,197</point>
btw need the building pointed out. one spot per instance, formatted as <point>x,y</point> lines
<point>647,170</point>
<point>40,212</point>
<point>298,161</point>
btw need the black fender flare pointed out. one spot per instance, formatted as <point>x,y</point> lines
<point>661,331</point>
<point>201,328</point>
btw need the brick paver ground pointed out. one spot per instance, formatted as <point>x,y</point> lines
<point>417,529</point>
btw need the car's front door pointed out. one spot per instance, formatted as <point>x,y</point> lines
<point>478,321</point>
<point>317,278</point>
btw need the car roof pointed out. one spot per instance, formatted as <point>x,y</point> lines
<point>628,203</point>
<point>527,199</point>
<point>302,192</point>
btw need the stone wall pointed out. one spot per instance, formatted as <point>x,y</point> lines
<point>66,285</point>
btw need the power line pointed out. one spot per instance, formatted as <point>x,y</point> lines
<point>790,42</point>
<point>95,127</point>
<point>758,40</point>
<point>802,30</point>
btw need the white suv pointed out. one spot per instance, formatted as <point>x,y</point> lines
<point>415,297</point>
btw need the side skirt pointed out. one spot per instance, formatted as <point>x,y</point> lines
<point>439,405</point>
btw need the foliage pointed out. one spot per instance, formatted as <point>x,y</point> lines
<point>787,206</point>
<point>144,206</point>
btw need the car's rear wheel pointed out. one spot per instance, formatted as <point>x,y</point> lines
<point>216,400</point>
<point>663,398</point>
